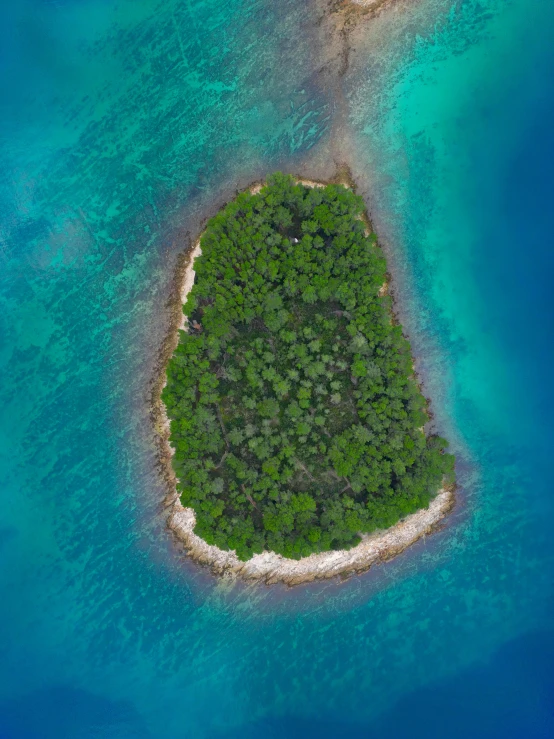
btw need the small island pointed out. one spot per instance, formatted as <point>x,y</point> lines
<point>296,421</point>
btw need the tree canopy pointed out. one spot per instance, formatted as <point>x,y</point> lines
<point>294,412</point>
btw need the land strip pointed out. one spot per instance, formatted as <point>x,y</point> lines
<point>269,567</point>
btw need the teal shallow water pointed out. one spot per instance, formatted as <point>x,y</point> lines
<point>123,125</point>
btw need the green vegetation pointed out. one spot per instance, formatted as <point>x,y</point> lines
<point>295,416</point>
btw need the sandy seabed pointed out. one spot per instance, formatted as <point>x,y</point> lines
<point>271,568</point>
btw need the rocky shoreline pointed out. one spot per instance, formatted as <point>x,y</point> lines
<point>269,567</point>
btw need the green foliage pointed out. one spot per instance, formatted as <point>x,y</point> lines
<point>294,411</point>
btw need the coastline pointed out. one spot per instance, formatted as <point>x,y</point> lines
<point>268,567</point>
<point>271,568</point>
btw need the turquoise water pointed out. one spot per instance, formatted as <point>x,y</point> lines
<point>123,125</point>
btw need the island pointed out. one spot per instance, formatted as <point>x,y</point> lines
<point>296,422</point>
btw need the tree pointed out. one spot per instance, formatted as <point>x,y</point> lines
<point>293,410</point>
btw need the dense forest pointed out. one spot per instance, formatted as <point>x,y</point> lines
<point>295,416</point>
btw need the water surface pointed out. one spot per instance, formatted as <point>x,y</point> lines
<point>123,125</point>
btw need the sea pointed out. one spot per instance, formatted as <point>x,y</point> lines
<point>123,125</point>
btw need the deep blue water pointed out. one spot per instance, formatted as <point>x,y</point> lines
<point>122,125</point>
